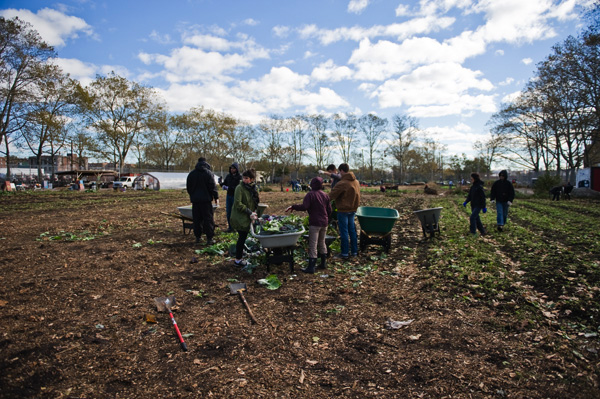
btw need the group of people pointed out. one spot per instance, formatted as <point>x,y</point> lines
<point>243,199</point>
<point>565,190</point>
<point>502,194</point>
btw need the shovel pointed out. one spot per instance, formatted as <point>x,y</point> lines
<point>238,289</point>
<point>163,304</point>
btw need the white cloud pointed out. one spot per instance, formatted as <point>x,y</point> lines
<point>506,82</point>
<point>278,91</point>
<point>509,98</point>
<point>309,54</point>
<point>398,31</point>
<point>79,70</point>
<point>281,31</point>
<point>565,10</point>
<point>515,21</point>
<point>526,61</point>
<point>385,59</point>
<point>328,71</point>
<point>187,64</point>
<point>53,26</point>
<point>459,138</point>
<point>499,52</point>
<point>357,6</point>
<point>162,39</point>
<point>206,57</point>
<point>402,10</point>
<point>250,22</point>
<point>437,90</point>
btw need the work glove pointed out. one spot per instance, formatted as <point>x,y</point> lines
<point>465,204</point>
<point>289,208</point>
<point>253,216</point>
<point>509,203</point>
<point>484,210</point>
<point>320,171</point>
<point>225,187</point>
<point>493,201</point>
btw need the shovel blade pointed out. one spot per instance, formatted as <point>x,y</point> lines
<point>164,303</point>
<point>235,288</point>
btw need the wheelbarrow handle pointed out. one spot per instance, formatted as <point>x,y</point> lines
<point>181,341</point>
<point>247,307</point>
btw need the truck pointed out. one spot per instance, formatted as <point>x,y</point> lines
<point>124,182</point>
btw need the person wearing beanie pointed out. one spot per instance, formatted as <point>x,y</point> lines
<point>503,194</point>
<point>202,190</point>
<point>233,178</point>
<point>243,212</point>
<point>318,206</point>
<point>477,199</point>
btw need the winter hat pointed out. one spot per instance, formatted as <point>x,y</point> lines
<point>503,173</point>
<point>316,183</point>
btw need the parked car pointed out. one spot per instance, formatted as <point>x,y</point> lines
<point>124,181</point>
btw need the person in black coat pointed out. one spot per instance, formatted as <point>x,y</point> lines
<point>556,192</point>
<point>233,178</point>
<point>202,190</point>
<point>477,199</point>
<point>503,193</point>
<point>567,190</point>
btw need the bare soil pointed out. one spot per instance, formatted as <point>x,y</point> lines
<point>74,315</point>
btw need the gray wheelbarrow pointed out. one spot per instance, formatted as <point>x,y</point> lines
<point>430,220</point>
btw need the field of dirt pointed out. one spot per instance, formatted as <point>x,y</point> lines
<point>79,273</point>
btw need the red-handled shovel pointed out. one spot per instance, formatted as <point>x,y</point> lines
<point>163,304</point>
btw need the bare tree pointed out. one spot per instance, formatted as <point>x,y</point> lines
<point>372,128</point>
<point>274,131</point>
<point>118,110</point>
<point>22,56</point>
<point>318,125</point>
<point>406,130</point>
<point>345,134</point>
<point>297,133</point>
<point>162,141</point>
<point>47,118</point>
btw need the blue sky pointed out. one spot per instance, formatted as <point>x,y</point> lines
<point>449,63</point>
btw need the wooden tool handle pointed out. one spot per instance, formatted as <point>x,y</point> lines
<point>247,307</point>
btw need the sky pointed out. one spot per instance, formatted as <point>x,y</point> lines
<point>448,63</point>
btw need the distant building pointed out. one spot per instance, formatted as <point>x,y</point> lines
<point>61,163</point>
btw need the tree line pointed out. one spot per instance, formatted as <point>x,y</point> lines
<point>554,123</point>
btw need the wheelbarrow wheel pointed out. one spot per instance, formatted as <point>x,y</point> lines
<point>387,243</point>
<point>364,241</point>
<point>432,232</point>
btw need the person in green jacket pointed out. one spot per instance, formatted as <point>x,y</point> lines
<point>245,203</point>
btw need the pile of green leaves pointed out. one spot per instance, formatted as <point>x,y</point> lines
<point>280,225</point>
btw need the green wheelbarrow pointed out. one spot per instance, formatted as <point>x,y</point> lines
<point>376,226</point>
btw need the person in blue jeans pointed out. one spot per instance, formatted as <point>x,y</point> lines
<point>346,195</point>
<point>477,199</point>
<point>503,193</point>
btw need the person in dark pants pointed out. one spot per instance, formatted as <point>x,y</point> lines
<point>202,190</point>
<point>567,190</point>
<point>231,181</point>
<point>245,203</point>
<point>477,199</point>
<point>556,192</point>
<point>503,193</point>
